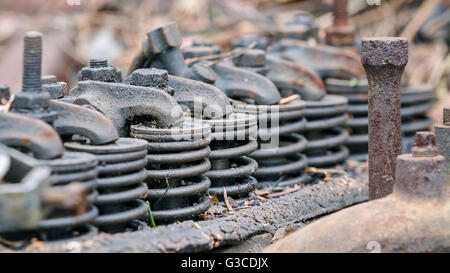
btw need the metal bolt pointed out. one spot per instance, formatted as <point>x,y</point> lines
<point>446,115</point>
<point>442,132</point>
<point>384,60</point>
<point>96,63</point>
<point>5,94</point>
<point>425,145</point>
<point>340,13</point>
<point>32,56</point>
<point>252,58</point>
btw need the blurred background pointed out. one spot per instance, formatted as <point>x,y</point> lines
<point>76,30</point>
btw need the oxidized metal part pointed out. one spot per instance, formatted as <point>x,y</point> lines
<point>416,100</point>
<point>77,120</point>
<point>30,135</point>
<point>122,103</point>
<point>176,162</point>
<point>286,75</point>
<point>99,70</point>
<point>66,222</point>
<point>279,157</point>
<point>190,93</point>
<point>341,33</point>
<point>33,101</point>
<point>299,25</point>
<point>326,138</point>
<point>120,181</point>
<point>21,206</point>
<point>414,218</point>
<point>384,60</point>
<point>234,137</point>
<point>161,50</point>
<point>57,90</point>
<point>326,61</point>
<point>442,132</point>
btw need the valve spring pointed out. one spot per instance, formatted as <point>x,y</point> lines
<point>233,138</point>
<point>279,154</point>
<point>416,101</point>
<point>62,224</point>
<point>326,137</point>
<point>176,162</point>
<point>120,183</point>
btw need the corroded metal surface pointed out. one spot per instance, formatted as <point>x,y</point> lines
<point>414,218</point>
<point>307,203</point>
<point>384,60</point>
<point>442,132</point>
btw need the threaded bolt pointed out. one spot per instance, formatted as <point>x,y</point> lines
<point>340,12</point>
<point>98,62</point>
<point>32,60</point>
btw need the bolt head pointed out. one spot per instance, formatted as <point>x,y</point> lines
<point>425,144</point>
<point>149,77</point>
<point>261,42</point>
<point>252,58</point>
<point>164,37</point>
<point>204,73</point>
<point>102,74</point>
<point>384,51</point>
<point>29,101</point>
<point>56,89</point>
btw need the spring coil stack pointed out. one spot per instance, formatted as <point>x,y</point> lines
<point>279,156</point>
<point>62,224</point>
<point>233,139</point>
<point>324,131</point>
<point>120,183</point>
<point>416,101</point>
<point>176,163</point>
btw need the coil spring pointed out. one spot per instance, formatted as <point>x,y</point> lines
<point>416,101</point>
<point>233,138</point>
<point>279,157</point>
<point>176,162</point>
<point>324,132</point>
<point>120,182</point>
<point>61,224</point>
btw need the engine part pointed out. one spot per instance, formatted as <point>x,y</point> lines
<point>414,218</point>
<point>279,154</point>
<point>233,139</point>
<point>28,198</point>
<point>161,50</point>
<point>442,132</point>
<point>32,101</point>
<point>122,103</point>
<point>415,100</point>
<point>326,61</point>
<point>176,163</point>
<point>287,76</point>
<point>299,25</point>
<point>324,131</point>
<point>121,175</point>
<point>68,224</point>
<point>341,33</point>
<point>384,60</point>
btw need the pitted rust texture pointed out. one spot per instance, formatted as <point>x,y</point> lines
<point>414,218</point>
<point>384,60</point>
<point>309,202</point>
<point>442,132</point>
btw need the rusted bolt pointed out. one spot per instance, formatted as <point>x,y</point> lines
<point>341,33</point>
<point>384,60</point>
<point>442,132</point>
<point>425,145</point>
<point>99,70</point>
<point>96,63</point>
